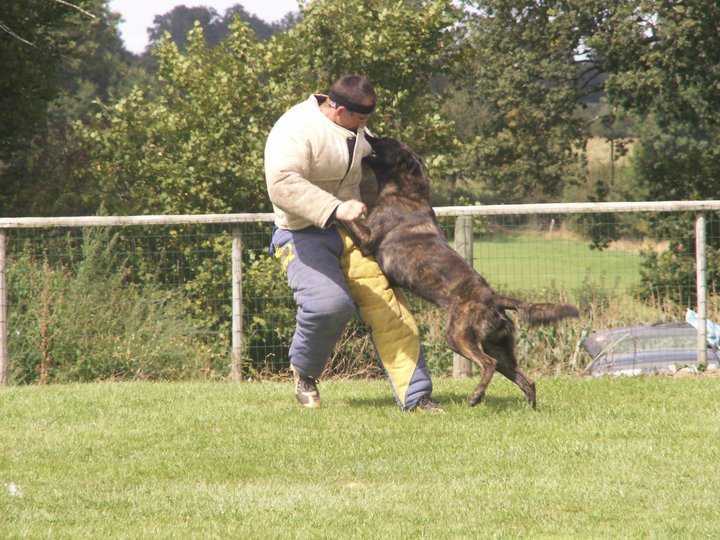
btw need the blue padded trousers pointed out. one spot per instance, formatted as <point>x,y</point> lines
<point>329,278</point>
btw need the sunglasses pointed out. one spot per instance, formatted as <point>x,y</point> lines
<point>357,108</point>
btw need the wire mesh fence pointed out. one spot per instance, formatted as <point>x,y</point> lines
<point>155,301</point>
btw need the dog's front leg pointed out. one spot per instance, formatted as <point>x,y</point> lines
<point>361,235</point>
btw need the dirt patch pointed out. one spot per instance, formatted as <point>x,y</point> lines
<point>635,246</point>
<point>598,151</point>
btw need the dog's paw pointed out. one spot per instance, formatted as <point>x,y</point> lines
<point>531,397</point>
<point>475,399</point>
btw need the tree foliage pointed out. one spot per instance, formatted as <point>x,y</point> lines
<point>400,45</point>
<point>196,144</point>
<point>33,41</point>
<point>72,58</point>
<point>666,67</point>
<point>526,70</point>
<point>181,19</point>
<point>194,141</point>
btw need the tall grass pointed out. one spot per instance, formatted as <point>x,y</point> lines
<point>82,320</point>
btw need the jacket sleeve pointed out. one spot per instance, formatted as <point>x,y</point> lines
<point>287,166</point>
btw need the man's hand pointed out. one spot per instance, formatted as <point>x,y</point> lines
<point>350,210</point>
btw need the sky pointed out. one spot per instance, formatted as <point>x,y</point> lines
<point>138,15</point>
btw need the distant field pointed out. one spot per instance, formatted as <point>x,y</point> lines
<point>536,261</point>
<point>607,458</point>
<point>598,152</point>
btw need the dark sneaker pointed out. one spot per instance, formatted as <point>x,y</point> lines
<point>428,405</point>
<point>306,390</point>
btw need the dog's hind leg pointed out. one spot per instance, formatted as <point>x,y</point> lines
<point>519,378</point>
<point>462,340</point>
<point>504,352</point>
<point>488,365</point>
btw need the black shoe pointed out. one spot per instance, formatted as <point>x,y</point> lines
<point>306,390</point>
<point>428,405</point>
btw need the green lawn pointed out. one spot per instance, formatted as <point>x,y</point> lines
<point>600,458</point>
<point>532,262</point>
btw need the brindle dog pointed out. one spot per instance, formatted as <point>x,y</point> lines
<point>401,231</point>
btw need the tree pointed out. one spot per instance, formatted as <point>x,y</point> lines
<point>33,43</point>
<point>666,60</point>
<point>180,20</point>
<point>91,63</point>
<point>527,69</point>
<point>191,145</point>
<point>195,143</point>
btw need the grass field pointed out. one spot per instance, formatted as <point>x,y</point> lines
<point>535,261</point>
<point>600,458</point>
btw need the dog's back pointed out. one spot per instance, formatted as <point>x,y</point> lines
<point>412,249</point>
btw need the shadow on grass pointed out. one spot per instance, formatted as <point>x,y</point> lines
<point>372,402</point>
<point>496,403</point>
<point>447,399</point>
<point>505,403</point>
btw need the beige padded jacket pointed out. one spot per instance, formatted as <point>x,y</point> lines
<point>306,166</point>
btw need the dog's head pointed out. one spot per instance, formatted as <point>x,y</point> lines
<point>397,167</point>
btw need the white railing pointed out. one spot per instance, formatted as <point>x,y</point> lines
<point>462,213</point>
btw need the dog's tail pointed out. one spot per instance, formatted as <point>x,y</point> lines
<point>536,314</point>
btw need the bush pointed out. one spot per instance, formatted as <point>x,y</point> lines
<point>269,318</point>
<point>81,320</point>
<point>672,274</point>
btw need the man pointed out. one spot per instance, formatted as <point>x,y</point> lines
<point>313,171</point>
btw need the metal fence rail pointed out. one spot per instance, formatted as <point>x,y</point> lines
<point>462,233</point>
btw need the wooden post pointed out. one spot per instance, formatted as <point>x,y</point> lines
<point>237,307</point>
<point>462,367</point>
<point>4,361</point>
<point>701,287</point>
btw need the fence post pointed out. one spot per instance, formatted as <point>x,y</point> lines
<point>4,361</point>
<point>462,367</point>
<point>237,307</point>
<point>701,287</point>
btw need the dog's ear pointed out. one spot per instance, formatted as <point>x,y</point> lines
<point>370,139</point>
